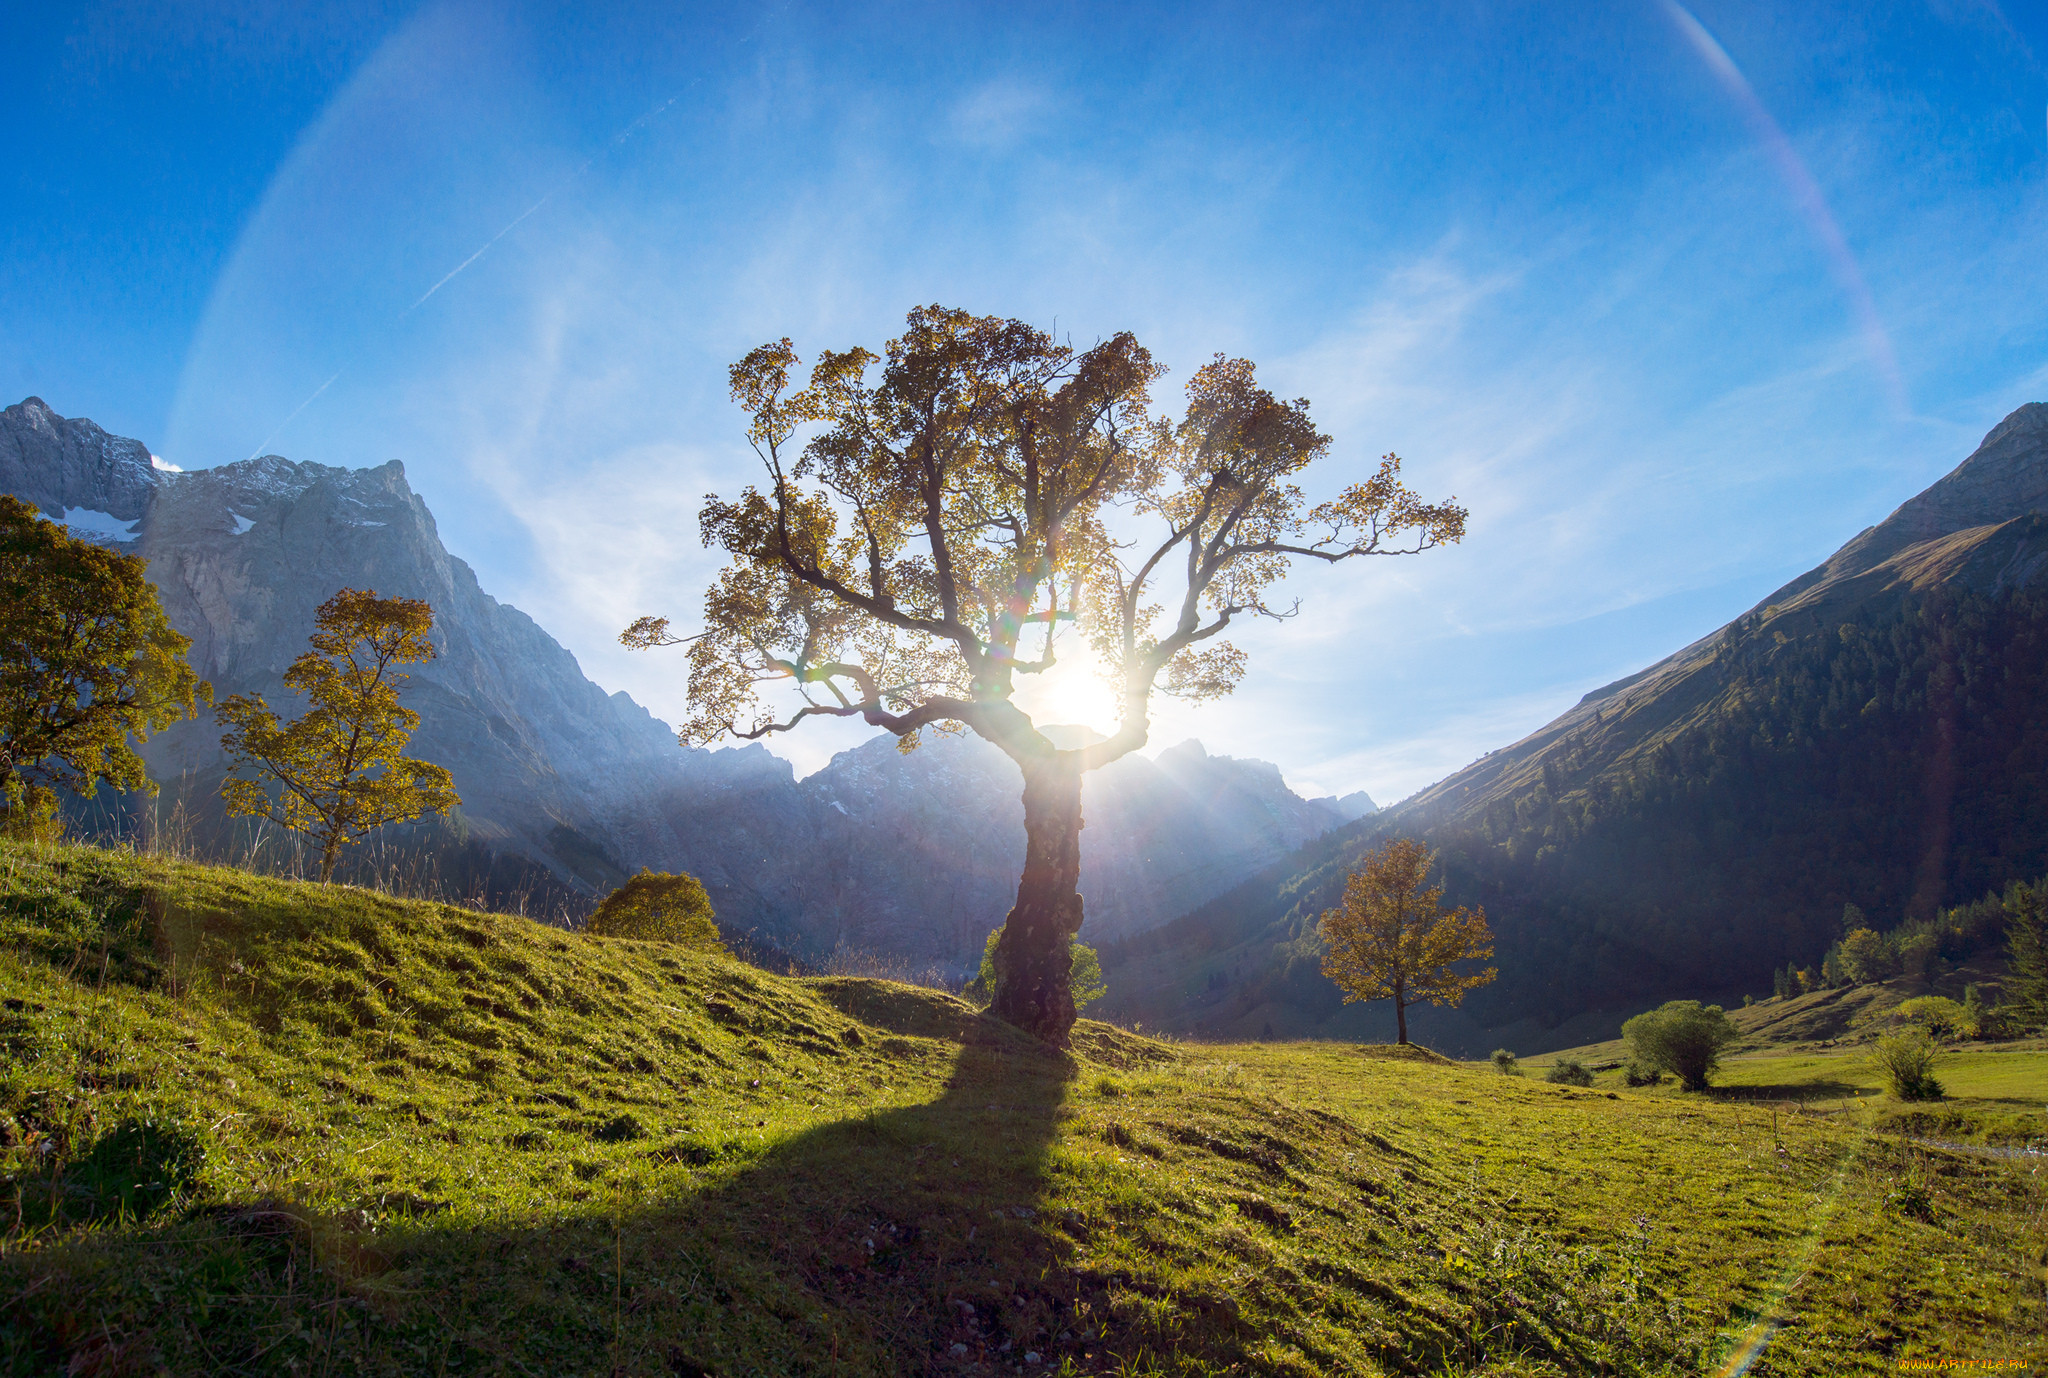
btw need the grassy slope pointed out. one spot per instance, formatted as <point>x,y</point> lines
<point>1815,1050</point>
<point>446,1142</point>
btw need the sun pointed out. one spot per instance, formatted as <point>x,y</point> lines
<point>1069,693</point>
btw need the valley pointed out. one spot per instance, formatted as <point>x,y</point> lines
<point>409,1138</point>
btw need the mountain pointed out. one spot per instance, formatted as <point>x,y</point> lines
<point>551,769</point>
<point>566,789</point>
<point>918,855</point>
<point>1873,734</point>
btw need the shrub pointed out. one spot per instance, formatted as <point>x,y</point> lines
<point>1907,1061</point>
<point>1635,1074</point>
<point>1569,1071</point>
<point>656,907</point>
<point>1505,1063</point>
<point>1684,1038</point>
<point>1084,976</point>
<point>1938,1015</point>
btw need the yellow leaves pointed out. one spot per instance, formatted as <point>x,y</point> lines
<point>1207,674</point>
<point>948,518</point>
<point>1392,939</point>
<point>87,659</point>
<point>340,769</point>
<point>655,906</point>
<point>1381,508</point>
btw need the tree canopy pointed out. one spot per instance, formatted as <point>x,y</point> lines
<point>2026,936</point>
<point>655,906</point>
<point>1392,939</point>
<point>87,660</point>
<point>1684,1038</point>
<point>925,535</point>
<point>340,770</point>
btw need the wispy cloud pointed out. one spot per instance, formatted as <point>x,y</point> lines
<point>1647,392</point>
<point>1000,114</point>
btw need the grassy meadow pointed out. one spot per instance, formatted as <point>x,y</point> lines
<point>256,1126</point>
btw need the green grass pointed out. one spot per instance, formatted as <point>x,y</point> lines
<point>423,1140</point>
<point>1816,1051</point>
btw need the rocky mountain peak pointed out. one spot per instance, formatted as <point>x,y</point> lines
<point>62,464</point>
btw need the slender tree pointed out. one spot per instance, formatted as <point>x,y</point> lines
<point>1392,939</point>
<point>925,546</point>
<point>340,770</point>
<point>2026,937</point>
<point>87,660</point>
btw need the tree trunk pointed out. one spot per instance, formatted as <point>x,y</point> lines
<point>1400,1016</point>
<point>327,858</point>
<point>1032,959</point>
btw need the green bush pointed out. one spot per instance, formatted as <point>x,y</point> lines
<point>1505,1063</point>
<point>1939,1016</point>
<point>1907,1061</point>
<point>1635,1074</point>
<point>1569,1071</point>
<point>656,907</point>
<point>1084,976</point>
<point>1684,1038</point>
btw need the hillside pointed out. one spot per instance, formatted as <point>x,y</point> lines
<point>262,1127</point>
<point>1872,734</point>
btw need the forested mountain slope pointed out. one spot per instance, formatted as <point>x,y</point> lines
<point>1875,733</point>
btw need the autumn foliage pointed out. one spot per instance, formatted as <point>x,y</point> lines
<point>943,520</point>
<point>1391,939</point>
<point>657,907</point>
<point>340,771</point>
<point>87,660</point>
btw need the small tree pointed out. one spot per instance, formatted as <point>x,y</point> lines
<point>1391,939</point>
<point>945,521</point>
<point>340,770</point>
<point>1940,1016</point>
<point>1865,956</point>
<point>1684,1038</point>
<point>1506,1063</point>
<point>657,907</point>
<point>87,660</point>
<point>2026,941</point>
<point>1084,973</point>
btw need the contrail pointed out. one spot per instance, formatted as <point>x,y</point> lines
<point>514,223</point>
<point>632,127</point>
<point>563,185</point>
<point>1806,194</point>
<point>295,412</point>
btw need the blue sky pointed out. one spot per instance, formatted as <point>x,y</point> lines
<point>1676,300</point>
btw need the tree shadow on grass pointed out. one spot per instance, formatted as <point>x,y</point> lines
<point>907,1240</point>
<point>1798,1091</point>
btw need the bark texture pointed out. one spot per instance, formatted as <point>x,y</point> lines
<point>1033,963</point>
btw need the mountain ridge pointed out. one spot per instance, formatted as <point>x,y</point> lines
<point>591,785</point>
<point>1871,734</point>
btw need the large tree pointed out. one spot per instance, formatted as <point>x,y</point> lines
<point>87,660</point>
<point>1392,939</point>
<point>926,531</point>
<point>340,771</point>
